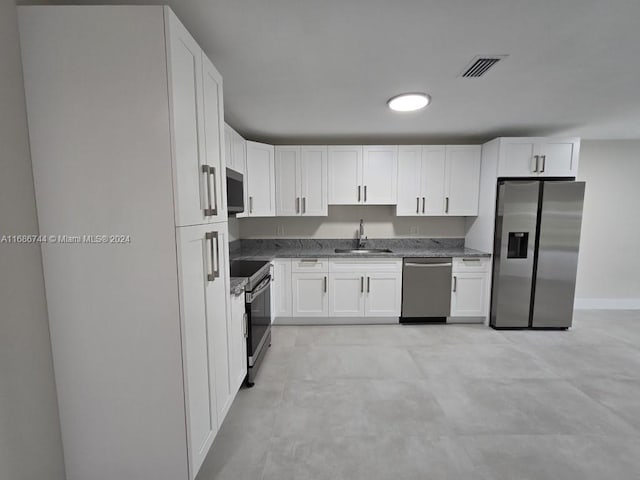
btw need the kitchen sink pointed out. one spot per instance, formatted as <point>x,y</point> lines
<point>363,250</point>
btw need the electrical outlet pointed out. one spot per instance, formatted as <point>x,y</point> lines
<point>280,230</point>
<point>413,230</point>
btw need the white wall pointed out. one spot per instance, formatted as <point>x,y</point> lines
<point>609,264</point>
<point>343,220</point>
<point>30,445</point>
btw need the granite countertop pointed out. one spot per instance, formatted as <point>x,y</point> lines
<point>268,249</point>
<point>237,285</point>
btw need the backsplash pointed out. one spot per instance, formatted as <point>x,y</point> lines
<point>380,221</point>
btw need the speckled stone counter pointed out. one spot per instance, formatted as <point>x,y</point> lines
<point>268,249</point>
<point>237,285</point>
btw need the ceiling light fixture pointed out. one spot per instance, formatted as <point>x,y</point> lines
<point>409,102</point>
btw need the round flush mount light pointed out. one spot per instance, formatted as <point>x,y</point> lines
<point>409,102</point>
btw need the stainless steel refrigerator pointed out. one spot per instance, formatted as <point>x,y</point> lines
<point>537,234</point>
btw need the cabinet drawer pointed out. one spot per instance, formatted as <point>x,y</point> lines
<point>366,265</point>
<point>302,265</point>
<point>471,264</point>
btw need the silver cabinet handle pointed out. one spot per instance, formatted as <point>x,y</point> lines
<point>417,204</point>
<point>309,260</point>
<point>424,200</point>
<point>544,163</point>
<point>208,211</point>
<point>470,259</point>
<point>325,284</point>
<point>446,208</point>
<point>455,283</point>
<point>361,284</point>
<point>368,284</point>
<point>358,192</point>
<point>536,158</point>
<point>212,170</point>
<point>304,204</point>
<point>250,204</point>
<point>245,325</point>
<point>297,204</point>
<point>215,265</point>
<point>365,193</point>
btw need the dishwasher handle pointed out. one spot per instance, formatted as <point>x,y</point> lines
<point>412,264</point>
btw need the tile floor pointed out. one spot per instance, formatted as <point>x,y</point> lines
<point>440,402</point>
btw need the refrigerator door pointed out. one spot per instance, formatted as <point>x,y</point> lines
<point>560,222</point>
<point>516,220</point>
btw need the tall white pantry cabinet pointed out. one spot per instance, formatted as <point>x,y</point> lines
<point>126,126</point>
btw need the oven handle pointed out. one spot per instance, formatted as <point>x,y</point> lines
<point>251,296</point>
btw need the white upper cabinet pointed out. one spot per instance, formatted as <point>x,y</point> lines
<point>287,164</point>
<point>235,149</point>
<point>345,175</point>
<point>313,180</point>
<point>380,175</point>
<point>216,179</point>
<point>462,179</point>
<point>409,185</point>
<point>438,180</point>
<point>538,156</point>
<point>432,179</point>
<point>260,179</point>
<point>301,180</point>
<point>185,75</point>
<point>363,175</point>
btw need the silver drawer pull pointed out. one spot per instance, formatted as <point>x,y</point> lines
<point>410,264</point>
<point>470,259</point>
<point>309,260</point>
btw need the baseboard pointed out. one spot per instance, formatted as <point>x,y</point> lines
<point>335,321</point>
<point>607,304</point>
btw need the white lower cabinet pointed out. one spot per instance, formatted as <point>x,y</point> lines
<point>365,287</point>
<point>281,301</point>
<point>310,297</point>
<point>346,294</point>
<point>470,287</point>
<point>237,342</point>
<point>383,294</point>
<point>203,288</point>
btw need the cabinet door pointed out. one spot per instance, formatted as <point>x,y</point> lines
<point>517,157</point>
<point>239,153</point>
<point>469,295</point>
<point>462,180</point>
<point>228,146</point>
<point>197,325</point>
<point>260,178</point>
<point>432,178</point>
<point>185,74</point>
<point>216,180</point>
<point>345,175</point>
<point>380,175</point>
<point>281,302</point>
<point>237,343</point>
<point>383,294</point>
<point>557,158</point>
<point>313,181</point>
<point>409,189</point>
<point>288,197</point>
<point>310,297</point>
<point>346,294</point>
<point>217,311</point>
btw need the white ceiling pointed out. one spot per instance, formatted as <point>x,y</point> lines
<point>321,70</point>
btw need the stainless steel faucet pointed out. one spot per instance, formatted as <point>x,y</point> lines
<point>362,240</point>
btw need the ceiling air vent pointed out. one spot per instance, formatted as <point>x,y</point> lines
<point>480,65</point>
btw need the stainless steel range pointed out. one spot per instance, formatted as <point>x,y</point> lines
<point>257,304</point>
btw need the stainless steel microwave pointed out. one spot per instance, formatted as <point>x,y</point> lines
<point>235,192</point>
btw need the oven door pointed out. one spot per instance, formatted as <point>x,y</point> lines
<point>258,309</point>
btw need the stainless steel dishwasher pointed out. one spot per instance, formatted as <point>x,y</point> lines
<point>426,290</point>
